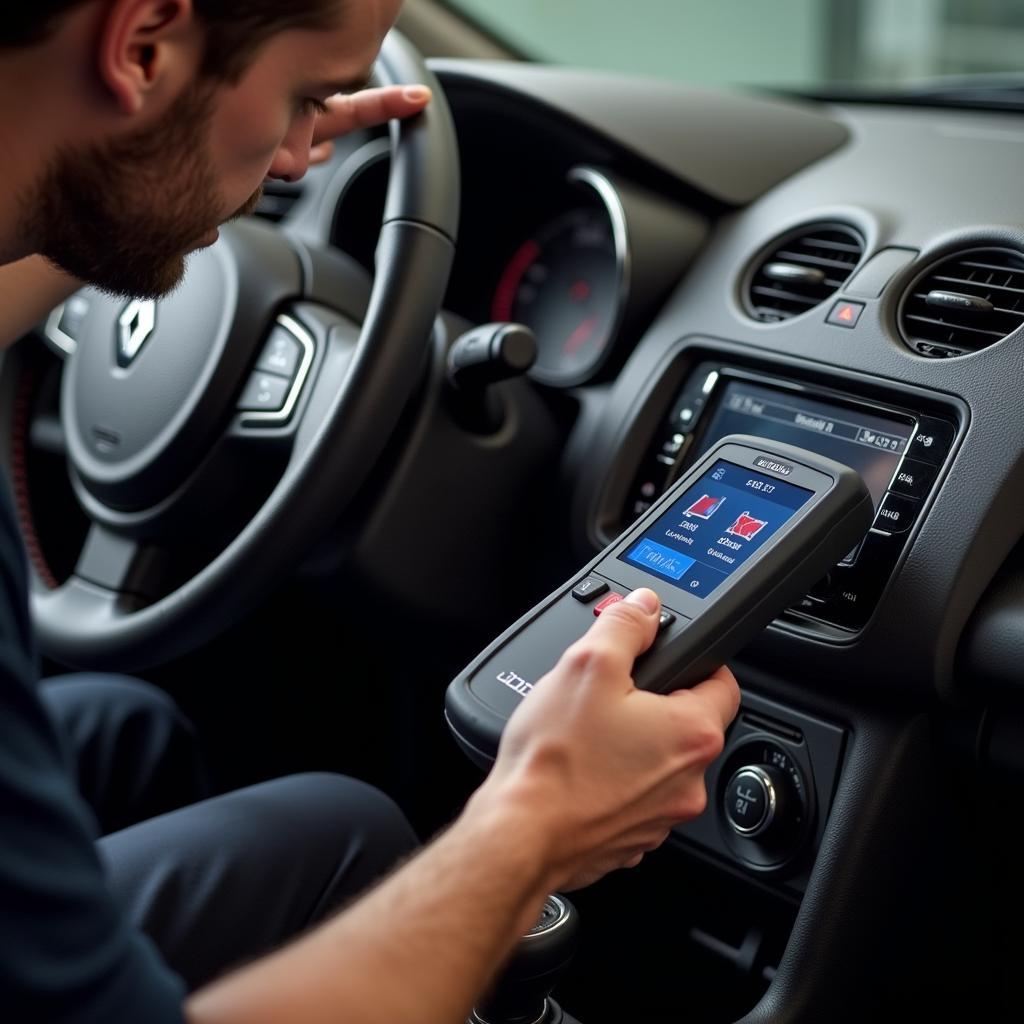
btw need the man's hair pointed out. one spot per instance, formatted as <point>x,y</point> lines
<point>235,31</point>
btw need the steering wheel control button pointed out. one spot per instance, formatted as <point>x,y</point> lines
<point>666,620</point>
<point>750,801</point>
<point>265,392</point>
<point>281,354</point>
<point>76,309</point>
<point>914,479</point>
<point>589,590</point>
<point>896,514</point>
<point>613,598</point>
<point>931,440</point>
<point>845,314</point>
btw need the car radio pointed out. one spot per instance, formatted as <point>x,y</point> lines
<point>898,451</point>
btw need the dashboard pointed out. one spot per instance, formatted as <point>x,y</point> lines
<point>845,277</point>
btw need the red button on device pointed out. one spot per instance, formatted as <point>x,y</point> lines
<point>611,599</point>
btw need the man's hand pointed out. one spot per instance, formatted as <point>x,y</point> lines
<point>591,773</point>
<point>605,769</point>
<point>365,109</point>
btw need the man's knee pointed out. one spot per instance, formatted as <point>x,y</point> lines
<point>99,697</point>
<point>347,809</point>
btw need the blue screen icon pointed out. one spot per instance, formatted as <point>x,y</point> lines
<point>660,559</point>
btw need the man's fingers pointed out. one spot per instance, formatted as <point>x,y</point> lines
<point>622,632</point>
<point>369,108</point>
<point>321,153</point>
<point>720,690</point>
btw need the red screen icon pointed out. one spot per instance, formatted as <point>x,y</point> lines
<point>747,527</point>
<point>705,507</point>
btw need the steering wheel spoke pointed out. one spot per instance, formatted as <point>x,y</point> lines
<point>128,569</point>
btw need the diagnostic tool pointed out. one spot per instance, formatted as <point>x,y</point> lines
<point>748,529</point>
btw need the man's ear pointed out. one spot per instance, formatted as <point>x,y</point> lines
<point>147,50</point>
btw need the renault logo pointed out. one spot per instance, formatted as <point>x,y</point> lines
<point>134,327</point>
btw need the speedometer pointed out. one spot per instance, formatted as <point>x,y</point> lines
<point>565,282</point>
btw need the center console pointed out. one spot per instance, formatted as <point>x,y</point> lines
<point>900,445</point>
<point>771,792</point>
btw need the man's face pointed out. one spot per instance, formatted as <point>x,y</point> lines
<point>124,214</point>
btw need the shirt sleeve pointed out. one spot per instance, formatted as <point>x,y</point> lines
<point>67,953</point>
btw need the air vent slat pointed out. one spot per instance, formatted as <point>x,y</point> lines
<point>917,318</point>
<point>828,252</point>
<point>817,261</point>
<point>964,282</point>
<point>937,330</point>
<point>781,293</point>
<point>821,243</point>
<point>992,266</point>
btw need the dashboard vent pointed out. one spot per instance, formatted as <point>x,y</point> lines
<point>965,303</point>
<point>802,271</point>
<point>277,200</point>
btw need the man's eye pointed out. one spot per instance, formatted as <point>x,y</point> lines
<point>313,107</point>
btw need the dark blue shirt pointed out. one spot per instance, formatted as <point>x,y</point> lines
<point>67,953</point>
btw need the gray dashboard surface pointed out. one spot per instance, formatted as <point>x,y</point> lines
<point>731,146</point>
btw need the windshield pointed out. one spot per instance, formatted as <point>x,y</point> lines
<point>808,45</point>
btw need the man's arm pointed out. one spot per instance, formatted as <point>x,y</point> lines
<point>591,773</point>
<point>29,289</point>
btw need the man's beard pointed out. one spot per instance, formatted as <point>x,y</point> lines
<point>123,216</point>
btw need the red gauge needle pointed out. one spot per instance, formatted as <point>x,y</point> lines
<point>580,336</point>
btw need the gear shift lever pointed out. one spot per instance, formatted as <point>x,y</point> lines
<point>520,993</point>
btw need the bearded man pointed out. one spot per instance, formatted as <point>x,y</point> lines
<point>131,129</point>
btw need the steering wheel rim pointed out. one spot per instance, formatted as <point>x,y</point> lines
<point>84,625</point>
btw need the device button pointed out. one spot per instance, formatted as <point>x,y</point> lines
<point>845,314</point>
<point>667,618</point>
<point>914,478</point>
<point>853,554</point>
<point>931,440</point>
<point>265,392</point>
<point>281,354</point>
<point>589,589</point>
<point>612,598</point>
<point>896,514</point>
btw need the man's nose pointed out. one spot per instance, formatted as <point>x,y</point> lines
<point>291,161</point>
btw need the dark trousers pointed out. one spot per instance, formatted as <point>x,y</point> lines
<point>220,881</point>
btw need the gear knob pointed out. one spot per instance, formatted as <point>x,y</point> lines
<point>520,993</point>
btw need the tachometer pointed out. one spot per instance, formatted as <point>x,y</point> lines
<point>566,284</point>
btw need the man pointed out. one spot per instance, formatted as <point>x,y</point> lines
<point>108,104</point>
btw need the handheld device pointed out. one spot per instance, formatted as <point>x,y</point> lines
<point>745,532</point>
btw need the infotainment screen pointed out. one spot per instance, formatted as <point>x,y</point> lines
<point>713,527</point>
<point>869,443</point>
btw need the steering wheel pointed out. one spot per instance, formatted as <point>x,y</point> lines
<point>241,415</point>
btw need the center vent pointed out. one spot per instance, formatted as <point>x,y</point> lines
<point>802,271</point>
<point>277,200</point>
<point>965,303</point>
